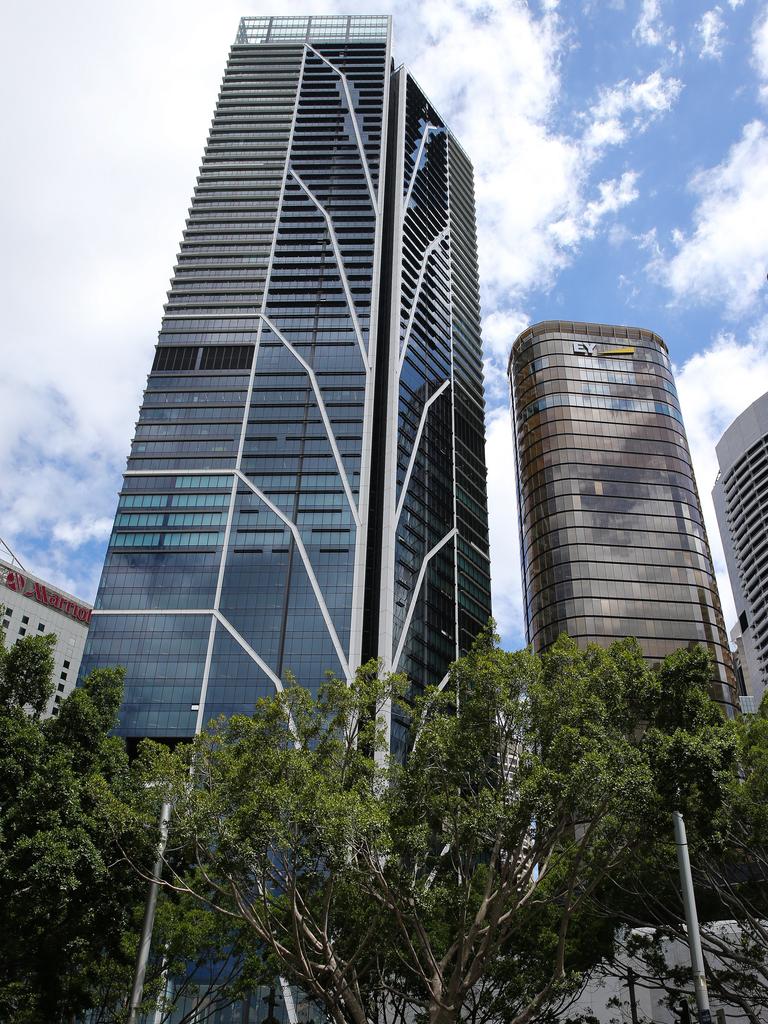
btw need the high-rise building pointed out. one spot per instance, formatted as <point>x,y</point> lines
<point>612,534</point>
<point>306,485</point>
<point>31,606</point>
<point>741,502</point>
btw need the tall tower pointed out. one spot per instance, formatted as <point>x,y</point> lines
<point>291,503</point>
<point>741,502</point>
<point>612,534</point>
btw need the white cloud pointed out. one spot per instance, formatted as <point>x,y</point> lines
<point>75,534</point>
<point>710,30</point>
<point>760,52</point>
<point>614,195</point>
<point>630,107</point>
<point>714,387</point>
<point>506,586</point>
<point>500,329</point>
<point>725,258</point>
<point>650,28</point>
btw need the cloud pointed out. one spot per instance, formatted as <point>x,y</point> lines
<point>630,107</point>
<point>614,195</point>
<point>650,28</point>
<point>75,534</point>
<point>506,586</point>
<point>714,387</point>
<point>760,52</point>
<point>710,30</point>
<point>725,258</point>
<point>501,328</point>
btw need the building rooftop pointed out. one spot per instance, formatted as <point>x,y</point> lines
<point>320,29</point>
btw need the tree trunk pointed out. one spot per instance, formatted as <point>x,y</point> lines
<point>440,1014</point>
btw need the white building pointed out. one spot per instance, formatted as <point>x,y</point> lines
<point>741,502</point>
<point>33,607</point>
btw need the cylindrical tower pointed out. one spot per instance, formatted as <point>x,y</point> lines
<point>612,534</point>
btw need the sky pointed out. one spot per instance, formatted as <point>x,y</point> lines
<point>621,173</point>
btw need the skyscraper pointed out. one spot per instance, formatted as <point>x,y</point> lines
<point>612,534</point>
<point>741,502</point>
<point>306,485</point>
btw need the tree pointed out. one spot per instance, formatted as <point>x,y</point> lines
<point>66,894</point>
<point>462,883</point>
<point>729,852</point>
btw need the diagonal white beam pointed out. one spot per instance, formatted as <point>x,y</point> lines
<point>340,263</point>
<point>309,570</point>
<point>276,680</point>
<point>416,590</point>
<point>432,247</point>
<point>353,115</point>
<point>428,129</point>
<point>323,413</point>
<point>415,450</point>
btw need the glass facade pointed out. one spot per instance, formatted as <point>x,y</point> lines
<point>246,544</point>
<point>434,582</point>
<point>612,535</point>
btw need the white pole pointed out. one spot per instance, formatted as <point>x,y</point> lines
<point>691,920</point>
<point>148,924</point>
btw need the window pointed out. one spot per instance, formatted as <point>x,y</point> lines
<point>40,627</point>
<point>25,619</point>
<point>57,699</point>
<point>61,687</point>
<point>63,675</point>
<point>6,623</point>
<point>9,612</point>
<point>22,631</point>
<point>54,711</point>
<point>66,664</point>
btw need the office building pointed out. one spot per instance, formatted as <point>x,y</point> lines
<point>306,485</point>
<point>33,607</point>
<point>740,495</point>
<point>612,535</point>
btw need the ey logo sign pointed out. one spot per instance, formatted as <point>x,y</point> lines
<point>589,348</point>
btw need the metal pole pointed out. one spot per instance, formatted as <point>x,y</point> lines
<point>632,999</point>
<point>145,941</point>
<point>691,921</point>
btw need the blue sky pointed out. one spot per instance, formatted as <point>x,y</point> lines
<point>621,157</point>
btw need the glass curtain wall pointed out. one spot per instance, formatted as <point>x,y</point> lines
<point>237,557</point>
<point>612,535</point>
<point>435,581</point>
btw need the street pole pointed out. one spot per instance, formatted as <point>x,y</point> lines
<point>691,921</point>
<point>632,998</point>
<point>148,923</point>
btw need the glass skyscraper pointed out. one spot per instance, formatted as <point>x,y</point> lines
<point>612,534</point>
<point>306,484</point>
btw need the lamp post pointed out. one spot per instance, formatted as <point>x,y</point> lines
<point>691,921</point>
<point>145,940</point>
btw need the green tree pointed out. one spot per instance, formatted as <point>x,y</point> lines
<point>75,824</point>
<point>728,842</point>
<point>463,883</point>
<point>66,894</point>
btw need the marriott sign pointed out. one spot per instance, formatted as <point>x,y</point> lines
<point>18,583</point>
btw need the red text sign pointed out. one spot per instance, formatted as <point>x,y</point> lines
<point>27,588</point>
